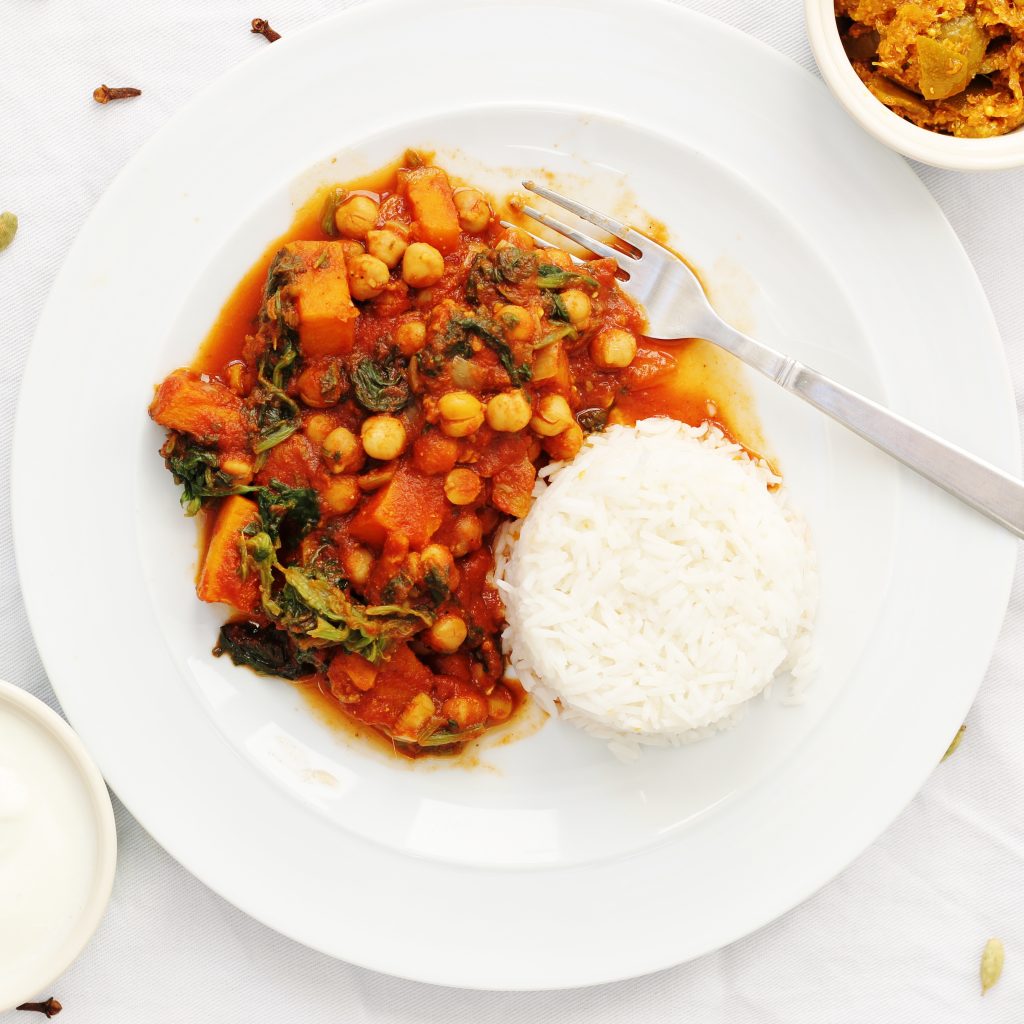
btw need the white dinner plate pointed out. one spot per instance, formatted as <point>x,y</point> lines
<point>550,863</point>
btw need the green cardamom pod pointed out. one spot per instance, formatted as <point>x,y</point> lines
<point>8,229</point>
<point>991,963</point>
<point>956,742</point>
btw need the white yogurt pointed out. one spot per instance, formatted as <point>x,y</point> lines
<point>49,845</point>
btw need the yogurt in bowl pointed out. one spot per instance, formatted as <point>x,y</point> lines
<point>58,846</point>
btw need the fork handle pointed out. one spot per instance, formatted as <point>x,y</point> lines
<point>975,482</point>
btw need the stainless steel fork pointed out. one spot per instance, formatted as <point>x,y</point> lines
<point>678,308</point>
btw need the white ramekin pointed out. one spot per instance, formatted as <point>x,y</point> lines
<point>38,974</point>
<point>874,117</point>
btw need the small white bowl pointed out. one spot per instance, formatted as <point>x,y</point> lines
<point>60,765</point>
<point>876,118</point>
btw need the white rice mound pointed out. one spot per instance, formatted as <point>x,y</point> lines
<point>659,582</point>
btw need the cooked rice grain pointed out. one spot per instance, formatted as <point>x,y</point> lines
<point>659,582</point>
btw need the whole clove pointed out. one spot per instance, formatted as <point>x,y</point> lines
<point>106,93</point>
<point>51,1007</point>
<point>261,27</point>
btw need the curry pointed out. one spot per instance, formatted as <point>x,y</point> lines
<point>952,66</point>
<point>373,404</point>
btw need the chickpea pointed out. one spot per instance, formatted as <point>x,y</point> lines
<point>466,709</point>
<point>422,265</point>
<point>461,413</point>
<point>577,305</point>
<point>462,428</point>
<point>462,486</point>
<point>358,564</point>
<point>434,453</point>
<point>388,243</point>
<point>468,535</point>
<point>458,405</point>
<point>343,451</point>
<point>612,349</point>
<point>552,417</point>
<point>321,384</point>
<point>557,258</point>
<point>518,322</point>
<point>515,238</point>
<point>354,217</point>
<point>474,213</point>
<point>384,437</point>
<point>410,337</point>
<point>367,277</point>
<point>318,426</point>
<point>436,558</point>
<point>510,411</point>
<point>342,494</point>
<point>351,249</point>
<point>566,444</point>
<point>240,470</point>
<point>499,703</point>
<point>446,634</point>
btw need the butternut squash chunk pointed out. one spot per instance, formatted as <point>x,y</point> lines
<point>411,504</point>
<point>221,577</point>
<point>203,409</point>
<point>327,315</point>
<point>435,219</point>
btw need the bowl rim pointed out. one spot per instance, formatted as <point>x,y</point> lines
<point>993,154</point>
<point>45,971</point>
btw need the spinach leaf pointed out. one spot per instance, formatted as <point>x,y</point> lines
<point>554,306</point>
<point>436,583</point>
<point>331,202</point>
<point>284,266</point>
<point>491,272</point>
<point>291,510</point>
<point>380,387</point>
<point>277,414</point>
<point>487,331</point>
<point>556,334</point>
<point>515,265</point>
<point>448,734</point>
<point>481,279</point>
<point>593,421</point>
<point>315,608</point>
<point>268,651</point>
<point>198,471</point>
<point>550,276</point>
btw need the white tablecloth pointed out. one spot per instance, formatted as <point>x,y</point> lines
<point>896,937</point>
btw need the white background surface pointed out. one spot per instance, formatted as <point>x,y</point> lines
<point>896,937</point>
